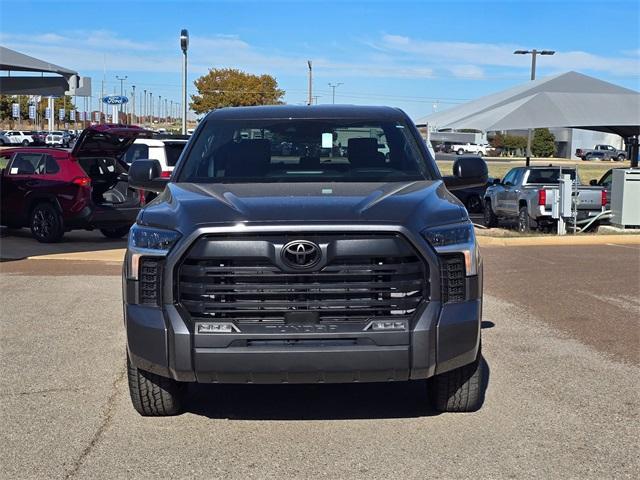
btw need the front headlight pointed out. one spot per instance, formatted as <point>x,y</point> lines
<point>147,242</point>
<point>152,238</point>
<point>459,238</point>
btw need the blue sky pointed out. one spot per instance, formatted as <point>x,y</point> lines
<point>419,56</point>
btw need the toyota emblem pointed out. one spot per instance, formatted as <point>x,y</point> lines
<point>301,254</point>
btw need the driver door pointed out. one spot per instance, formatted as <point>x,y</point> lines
<point>504,191</point>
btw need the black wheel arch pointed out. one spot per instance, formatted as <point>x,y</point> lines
<point>35,199</point>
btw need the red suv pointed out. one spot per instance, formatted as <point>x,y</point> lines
<point>53,190</point>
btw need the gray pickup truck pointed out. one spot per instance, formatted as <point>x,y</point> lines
<point>524,195</point>
<point>601,152</point>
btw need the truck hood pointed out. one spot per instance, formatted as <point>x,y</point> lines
<point>183,206</point>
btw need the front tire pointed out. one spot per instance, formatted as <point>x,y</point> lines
<point>25,143</point>
<point>621,158</point>
<point>153,395</point>
<point>459,390</point>
<point>490,219</point>
<point>460,151</point>
<point>46,223</point>
<point>524,220</point>
<point>118,232</point>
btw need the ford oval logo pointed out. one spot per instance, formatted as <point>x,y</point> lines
<point>301,254</point>
<point>115,99</point>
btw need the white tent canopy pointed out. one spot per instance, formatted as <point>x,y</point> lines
<point>567,100</point>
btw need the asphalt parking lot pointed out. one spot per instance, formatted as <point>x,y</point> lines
<point>560,338</point>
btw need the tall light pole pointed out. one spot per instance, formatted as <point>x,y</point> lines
<point>333,88</point>
<point>159,108</point>
<point>310,100</point>
<point>121,79</point>
<point>144,107</point>
<point>533,54</point>
<point>151,106</point>
<point>133,104</point>
<point>184,46</point>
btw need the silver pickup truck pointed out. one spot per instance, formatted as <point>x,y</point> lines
<point>524,195</point>
<point>601,152</point>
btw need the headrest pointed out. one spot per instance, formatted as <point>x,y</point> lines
<point>248,158</point>
<point>363,153</point>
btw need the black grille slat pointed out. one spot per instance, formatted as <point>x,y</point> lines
<point>350,288</point>
<point>149,280</point>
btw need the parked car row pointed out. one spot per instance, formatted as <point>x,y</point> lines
<point>62,138</point>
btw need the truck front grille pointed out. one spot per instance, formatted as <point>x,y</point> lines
<point>356,287</point>
<point>452,278</point>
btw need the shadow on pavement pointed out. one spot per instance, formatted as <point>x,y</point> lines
<point>16,244</point>
<point>314,402</point>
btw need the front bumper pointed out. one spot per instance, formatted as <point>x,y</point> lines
<point>443,337</point>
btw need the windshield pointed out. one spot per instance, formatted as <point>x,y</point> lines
<point>549,175</point>
<point>304,150</point>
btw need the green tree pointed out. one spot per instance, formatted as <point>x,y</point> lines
<point>543,143</point>
<point>514,143</point>
<point>229,87</point>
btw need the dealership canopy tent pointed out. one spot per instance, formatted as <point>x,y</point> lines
<point>57,81</point>
<point>569,100</point>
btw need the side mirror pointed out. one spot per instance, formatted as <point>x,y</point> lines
<point>467,172</point>
<point>593,183</point>
<point>145,175</point>
<point>497,181</point>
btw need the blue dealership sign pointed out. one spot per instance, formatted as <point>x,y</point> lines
<point>15,110</point>
<point>115,99</point>
<point>32,112</point>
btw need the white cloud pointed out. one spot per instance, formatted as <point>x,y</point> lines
<point>499,55</point>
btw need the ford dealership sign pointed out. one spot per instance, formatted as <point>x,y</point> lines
<point>115,99</point>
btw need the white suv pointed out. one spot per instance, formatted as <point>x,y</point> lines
<point>19,137</point>
<point>166,150</point>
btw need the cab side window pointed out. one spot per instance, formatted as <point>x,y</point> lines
<point>51,165</point>
<point>27,164</point>
<point>509,178</point>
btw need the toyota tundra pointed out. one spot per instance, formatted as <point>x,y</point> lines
<point>344,258</point>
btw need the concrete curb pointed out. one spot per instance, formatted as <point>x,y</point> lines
<point>116,256</point>
<point>567,240</point>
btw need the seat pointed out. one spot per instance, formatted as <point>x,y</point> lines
<point>248,158</point>
<point>363,153</point>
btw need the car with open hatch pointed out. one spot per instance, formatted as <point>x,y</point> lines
<point>317,264</point>
<point>54,190</point>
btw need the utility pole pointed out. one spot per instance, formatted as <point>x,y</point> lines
<point>144,108</point>
<point>333,88</point>
<point>159,108</point>
<point>310,100</point>
<point>533,54</point>
<point>151,106</point>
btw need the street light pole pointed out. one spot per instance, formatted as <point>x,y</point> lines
<point>151,106</point>
<point>310,100</point>
<point>533,54</point>
<point>184,46</point>
<point>333,93</point>
<point>133,104</point>
<point>122,79</point>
